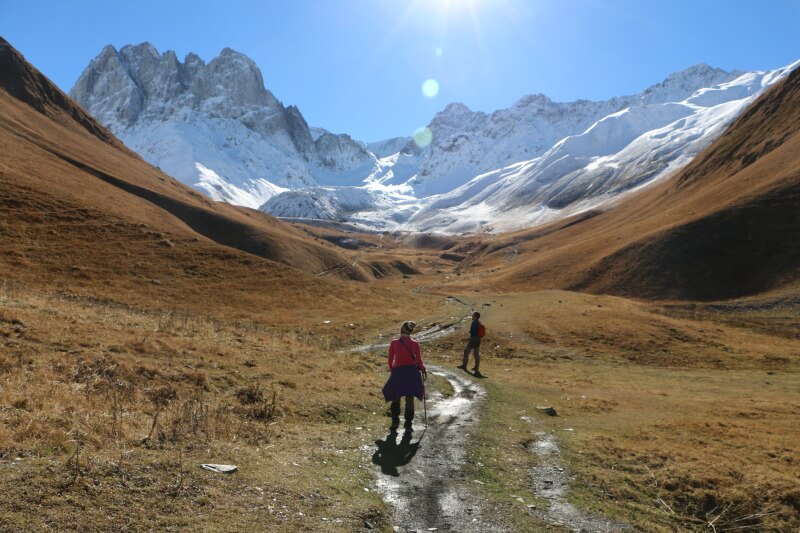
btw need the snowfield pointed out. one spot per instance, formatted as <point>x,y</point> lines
<point>215,127</point>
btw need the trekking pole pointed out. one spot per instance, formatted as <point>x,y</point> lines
<point>425,405</point>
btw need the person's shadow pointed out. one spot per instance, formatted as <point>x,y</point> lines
<point>390,454</point>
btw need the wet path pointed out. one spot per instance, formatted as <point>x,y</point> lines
<point>551,482</point>
<point>431,491</point>
<point>421,473</point>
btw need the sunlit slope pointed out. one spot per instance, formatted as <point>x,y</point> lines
<point>723,227</point>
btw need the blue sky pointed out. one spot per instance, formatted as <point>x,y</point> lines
<point>358,66</point>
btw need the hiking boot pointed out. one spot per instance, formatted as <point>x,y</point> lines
<point>478,374</point>
<point>462,367</point>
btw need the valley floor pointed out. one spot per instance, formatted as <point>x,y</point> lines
<point>669,417</point>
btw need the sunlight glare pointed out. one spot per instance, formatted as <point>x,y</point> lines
<point>423,137</point>
<point>430,88</point>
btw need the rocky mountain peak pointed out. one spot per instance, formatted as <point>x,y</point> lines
<point>139,82</point>
<point>682,84</point>
<point>529,100</point>
<point>155,103</point>
<point>108,51</point>
<point>140,49</point>
<point>455,108</point>
<point>454,116</point>
<point>193,59</point>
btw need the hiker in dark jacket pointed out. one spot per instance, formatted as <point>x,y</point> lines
<point>408,374</point>
<point>473,344</point>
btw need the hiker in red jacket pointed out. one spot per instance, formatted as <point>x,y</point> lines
<point>476,331</point>
<point>408,374</point>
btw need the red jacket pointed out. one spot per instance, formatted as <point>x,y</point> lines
<point>401,350</point>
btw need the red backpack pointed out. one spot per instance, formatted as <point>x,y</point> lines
<point>481,330</point>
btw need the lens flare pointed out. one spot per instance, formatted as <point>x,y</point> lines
<point>430,88</point>
<point>423,137</point>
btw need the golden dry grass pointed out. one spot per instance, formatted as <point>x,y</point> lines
<point>82,382</point>
<point>673,420</point>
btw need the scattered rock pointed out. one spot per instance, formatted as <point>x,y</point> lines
<point>368,524</point>
<point>548,410</point>
<point>220,469</point>
<point>166,243</point>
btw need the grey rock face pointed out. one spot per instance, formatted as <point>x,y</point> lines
<point>120,88</point>
<point>341,152</point>
<point>152,100</point>
<point>137,82</point>
<point>108,91</point>
<point>299,132</point>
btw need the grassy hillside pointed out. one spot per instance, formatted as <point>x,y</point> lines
<point>717,229</point>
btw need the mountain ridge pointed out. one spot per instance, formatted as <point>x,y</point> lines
<point>217,114</point>
<point>523,165</point>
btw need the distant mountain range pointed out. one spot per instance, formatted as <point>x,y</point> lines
<point>217,128</point>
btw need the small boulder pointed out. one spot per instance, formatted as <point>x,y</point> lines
<point>548,410</point>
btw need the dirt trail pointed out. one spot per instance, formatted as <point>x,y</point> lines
<point>551,481</point>
<point>421,472</point>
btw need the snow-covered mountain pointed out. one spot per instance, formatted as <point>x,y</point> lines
<point>214,126</point>
<point>468,143</point>
<point>624,150</point>
<point>540,160</point>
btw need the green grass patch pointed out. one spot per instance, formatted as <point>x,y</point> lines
<point>497,457</point>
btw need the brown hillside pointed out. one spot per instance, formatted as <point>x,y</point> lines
<point>78,207</point>
<point>723,227</point>
<point>20,80</point>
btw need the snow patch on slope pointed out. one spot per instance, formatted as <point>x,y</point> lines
<point>617,154</point>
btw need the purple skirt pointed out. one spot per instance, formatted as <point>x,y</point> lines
<point>404,381</point>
